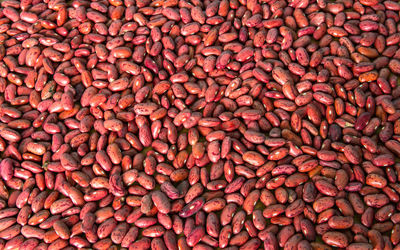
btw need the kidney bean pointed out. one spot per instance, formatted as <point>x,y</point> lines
<point>278,102</point>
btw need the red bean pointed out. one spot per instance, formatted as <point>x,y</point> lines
<point>185,117</point>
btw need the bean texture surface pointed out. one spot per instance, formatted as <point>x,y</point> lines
<point>188,124</point>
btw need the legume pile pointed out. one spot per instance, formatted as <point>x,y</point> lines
<point>258,124</point>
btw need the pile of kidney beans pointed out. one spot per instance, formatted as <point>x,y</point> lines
<point>190,124</point>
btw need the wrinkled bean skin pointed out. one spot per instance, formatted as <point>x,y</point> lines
<point>216,124</point>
